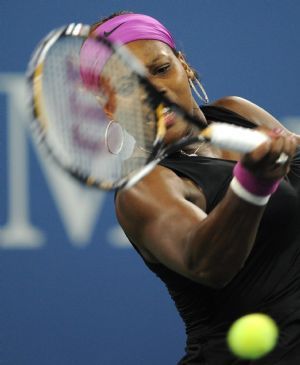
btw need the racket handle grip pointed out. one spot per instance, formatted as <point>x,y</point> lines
<point>238,139</point>
<point>234,138</point>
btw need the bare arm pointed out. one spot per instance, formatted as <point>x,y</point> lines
<point>205,248</point>
<point>209,249</point>
<point>167,228</point>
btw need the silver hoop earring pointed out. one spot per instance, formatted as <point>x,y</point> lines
<point>114,137</point>
<point>202,97</point>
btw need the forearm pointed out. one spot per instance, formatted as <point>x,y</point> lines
<point>220,245</point>
<point>236,219</point>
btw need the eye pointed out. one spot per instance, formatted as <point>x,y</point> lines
<point>161,70</point>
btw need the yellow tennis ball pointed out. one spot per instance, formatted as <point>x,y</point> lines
<point>252,336</point>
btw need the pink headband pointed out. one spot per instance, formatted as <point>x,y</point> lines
<point>121,29</point>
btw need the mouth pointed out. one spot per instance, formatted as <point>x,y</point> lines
<point>169,117</point>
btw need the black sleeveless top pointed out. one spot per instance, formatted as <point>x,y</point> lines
<point>270,280</point>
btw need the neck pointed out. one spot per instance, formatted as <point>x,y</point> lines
<point>202,149</point>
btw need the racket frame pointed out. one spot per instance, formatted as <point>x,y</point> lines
<point>158,100</point>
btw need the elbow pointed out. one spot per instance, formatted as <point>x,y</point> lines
<point>217,277</point>
<point>212,281</point>
<point>217,268</point>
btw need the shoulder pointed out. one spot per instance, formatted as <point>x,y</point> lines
<point>248,110</point>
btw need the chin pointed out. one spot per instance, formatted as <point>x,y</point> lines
<point>176,135</point>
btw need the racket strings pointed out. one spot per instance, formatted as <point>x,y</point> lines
<point>133,111</point>
<point>100,136</point>
<point>75,122</point>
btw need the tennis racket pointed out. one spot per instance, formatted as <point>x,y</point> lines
<point>110,134</point>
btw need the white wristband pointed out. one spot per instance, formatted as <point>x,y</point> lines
<point>244,194</point>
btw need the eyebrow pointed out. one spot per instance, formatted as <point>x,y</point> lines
<point>155,60</point>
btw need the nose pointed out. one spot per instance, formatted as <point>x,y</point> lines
<point>163,92</point>
<point>159,86</point>
<point>161,89</point>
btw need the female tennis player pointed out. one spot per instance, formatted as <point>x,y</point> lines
<point>220,230</point>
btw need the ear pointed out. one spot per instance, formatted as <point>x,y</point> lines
<point>190,73</point>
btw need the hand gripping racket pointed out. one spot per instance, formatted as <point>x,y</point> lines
<point>111,134</point>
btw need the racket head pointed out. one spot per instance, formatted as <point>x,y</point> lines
<point>71,122</point>
<point>103,134</point>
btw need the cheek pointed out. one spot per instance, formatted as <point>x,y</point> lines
<point>181,76</point>
<point>181,86</point>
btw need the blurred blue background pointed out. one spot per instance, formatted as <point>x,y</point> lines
<point>73,292</point>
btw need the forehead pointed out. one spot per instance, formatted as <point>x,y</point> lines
<point>149,50</point>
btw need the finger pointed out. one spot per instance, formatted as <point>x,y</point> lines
<point>258,153</point>
<point>288,150</point>
<point>290,147</point>
<point>293,143</point>
<point>277,147</point>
